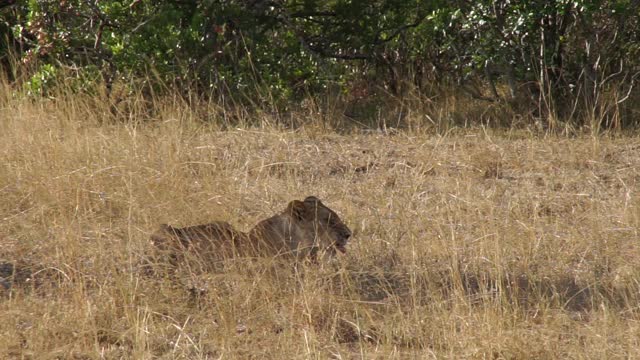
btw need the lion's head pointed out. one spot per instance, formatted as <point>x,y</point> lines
<point>321,228</point>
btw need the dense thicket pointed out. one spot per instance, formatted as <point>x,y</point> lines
<point>559,58</point>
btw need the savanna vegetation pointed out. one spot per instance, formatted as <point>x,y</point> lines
<point>484,154</point>
<point>564,64</point>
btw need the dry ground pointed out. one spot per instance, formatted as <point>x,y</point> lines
<point>472,244</point>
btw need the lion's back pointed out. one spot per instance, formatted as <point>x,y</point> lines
<point>209,237</point>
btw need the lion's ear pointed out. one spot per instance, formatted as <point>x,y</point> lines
<point>312,200</point>
<point>312,203</point>
<point>297,209</point>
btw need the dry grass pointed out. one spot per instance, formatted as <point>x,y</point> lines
<point>471,245</point>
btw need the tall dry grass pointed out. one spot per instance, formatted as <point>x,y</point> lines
<point>468,244</point>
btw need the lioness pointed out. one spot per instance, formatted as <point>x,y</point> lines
<point>304,229</point>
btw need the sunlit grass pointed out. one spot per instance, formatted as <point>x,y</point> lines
<point>469,244</point>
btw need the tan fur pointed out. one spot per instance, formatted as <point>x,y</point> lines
<point>304,229</point>
<point>206,239</point>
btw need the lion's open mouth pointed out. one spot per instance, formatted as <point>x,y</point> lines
<point>341,247</point>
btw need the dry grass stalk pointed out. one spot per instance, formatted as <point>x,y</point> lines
<point>477,244</point>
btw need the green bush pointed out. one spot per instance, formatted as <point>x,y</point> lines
<point>565,55</point>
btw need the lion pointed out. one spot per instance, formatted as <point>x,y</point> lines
<point>304,229</point>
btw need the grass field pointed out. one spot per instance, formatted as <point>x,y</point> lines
<point>480,244</point>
